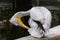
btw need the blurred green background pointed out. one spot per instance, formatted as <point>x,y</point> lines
<point>9,7</point>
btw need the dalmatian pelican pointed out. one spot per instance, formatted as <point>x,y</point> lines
<point>37,15</point>
<point>40,14</point>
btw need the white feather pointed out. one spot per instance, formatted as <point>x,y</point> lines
<point>53,32</point>
<point>40,14</point>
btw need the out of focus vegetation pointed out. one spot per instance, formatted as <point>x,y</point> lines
<point>8,7</point>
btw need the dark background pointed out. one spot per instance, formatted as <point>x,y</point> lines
<point>9,7</point>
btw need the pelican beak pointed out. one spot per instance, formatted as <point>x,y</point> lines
<point>21,23</point>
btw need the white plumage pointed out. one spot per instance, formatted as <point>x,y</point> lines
<point>42,15</point>
<point>53,32</point>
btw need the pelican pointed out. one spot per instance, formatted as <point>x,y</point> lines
<point>39,14</point>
